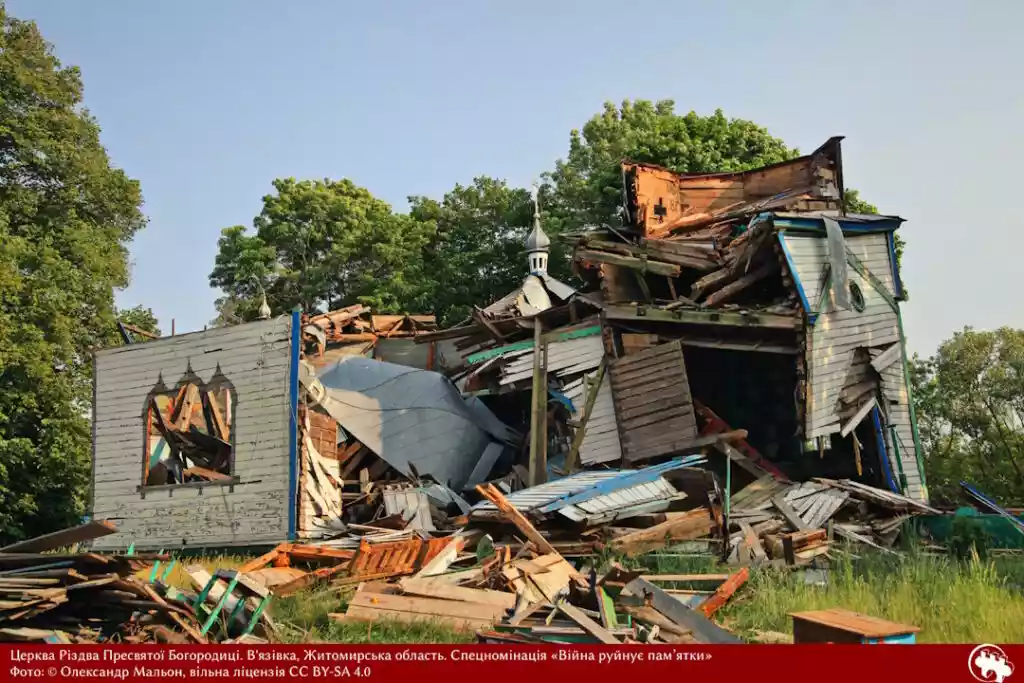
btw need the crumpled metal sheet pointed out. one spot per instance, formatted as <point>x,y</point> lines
<point>410,418</point>
<point>837,263</point>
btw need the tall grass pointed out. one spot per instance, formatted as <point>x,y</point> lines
<point>951,601</point>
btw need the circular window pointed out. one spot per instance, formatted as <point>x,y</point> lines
<point>856,297</point>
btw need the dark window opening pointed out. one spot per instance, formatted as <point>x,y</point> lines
<point>189,437</point>
<point>856,297</point>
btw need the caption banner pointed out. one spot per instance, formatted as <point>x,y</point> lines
<point>524,664</point>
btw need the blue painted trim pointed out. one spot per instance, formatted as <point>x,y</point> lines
<point>818,225</point>
<point>293,427</point>
<point>811,318</point>
<point>896,278</point>
<point>883,452</point>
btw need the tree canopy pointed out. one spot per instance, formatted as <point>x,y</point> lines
<point>320,245</point>
<point>970,404</point>
<point>66,216</point>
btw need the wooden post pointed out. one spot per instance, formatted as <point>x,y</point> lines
<point>172,327</point>
<point>539,413</point>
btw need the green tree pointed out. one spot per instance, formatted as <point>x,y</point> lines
<point>321,245</point>
<point>970,404</point>
<point>141,317</point>
<point>66,217</point>
<point>477,253</point>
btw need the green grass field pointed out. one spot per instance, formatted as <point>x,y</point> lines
<point>952,601</point>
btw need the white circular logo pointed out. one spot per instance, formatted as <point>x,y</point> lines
<point>988,664</point>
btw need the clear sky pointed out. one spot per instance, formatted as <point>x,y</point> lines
<point>207,102</point>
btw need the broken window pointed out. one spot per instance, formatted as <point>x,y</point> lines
<point>856,297</point>
<point>188,433</point>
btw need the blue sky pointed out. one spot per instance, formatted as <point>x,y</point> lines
<point>207,102</point>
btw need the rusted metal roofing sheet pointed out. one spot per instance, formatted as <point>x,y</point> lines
<point>652,402</point>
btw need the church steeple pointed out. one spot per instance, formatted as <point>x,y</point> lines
<point>537,242</point>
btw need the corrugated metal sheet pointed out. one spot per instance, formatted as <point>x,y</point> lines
<point>535,497</point>
<point>407,416</point>
<point>653,405</point>
<point>836,335</point>
<point>412,504</point>
<point>582,487</point>
<point>640,499</point>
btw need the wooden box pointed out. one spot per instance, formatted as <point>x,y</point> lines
<point>844,626</point>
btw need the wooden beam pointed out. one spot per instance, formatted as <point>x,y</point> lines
<point>725,591</point>
<point>687,316</point>
<point>740,459</point>
<point>509,511</point>
<point>642,264</point>
<point>139,331</point>
<point>733,288</point>
<point>208,474</point>
<point>703,629</point>
<point>858,417</point>
<point>62,538</point>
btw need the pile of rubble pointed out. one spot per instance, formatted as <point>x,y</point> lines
<point>83,597</point>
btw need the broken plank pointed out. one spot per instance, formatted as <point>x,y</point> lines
<point>63,538</point>
<point>726,590</point>
<point>693,524</point>
<point>779,501</point>
<point>685,577</point>
<point>509,511</point>
<point>642,264</point>
<point>887,358</point>
<point>587,624</point>
<point>732,289</point>
<point>207,474</point>
<point>858,417</point>
<point>375,606</point>
<point>703,629</point>
<point>443,589</point>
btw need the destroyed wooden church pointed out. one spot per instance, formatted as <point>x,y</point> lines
<point>745,316</point>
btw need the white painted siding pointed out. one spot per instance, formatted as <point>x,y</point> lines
<point>255,358</point>
<point>836,334</point>
<point>601,440</point>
